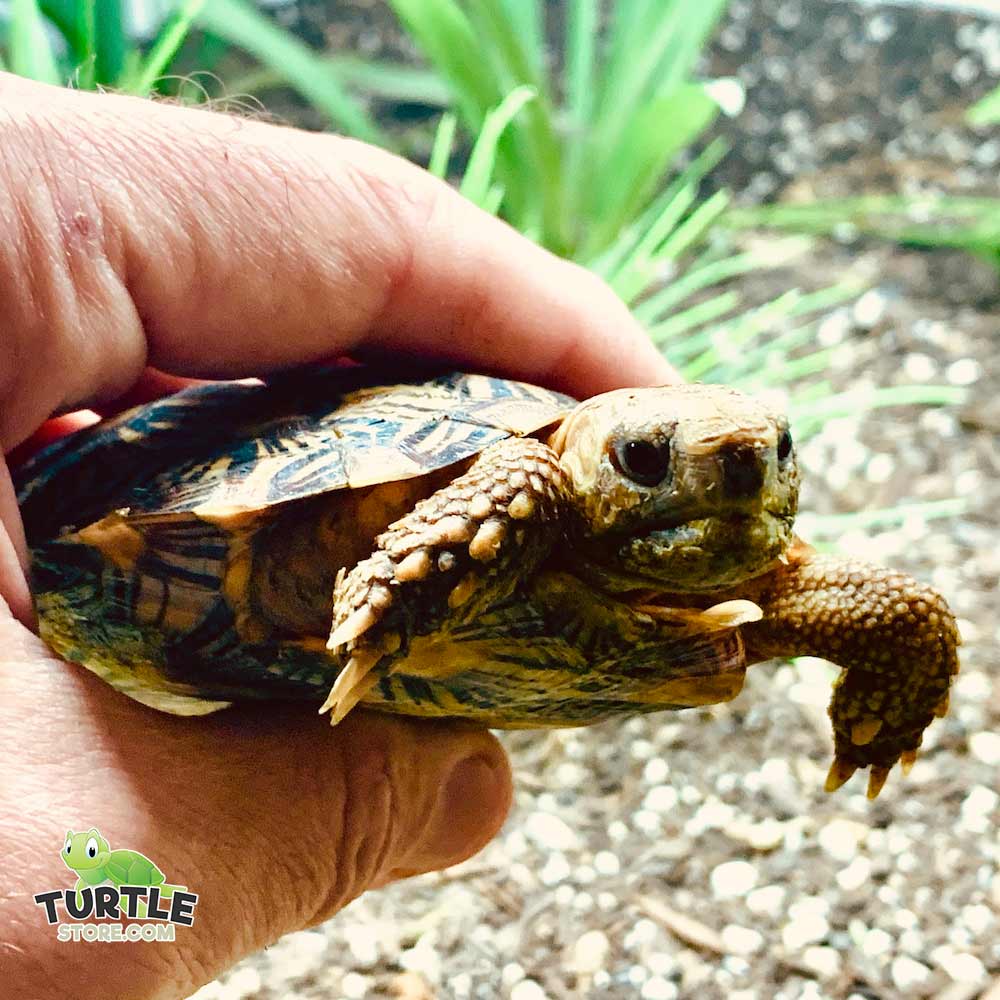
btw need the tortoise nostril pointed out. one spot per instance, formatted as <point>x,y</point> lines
<point>742,472</point>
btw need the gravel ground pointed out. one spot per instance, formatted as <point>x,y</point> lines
<point>695,855</point>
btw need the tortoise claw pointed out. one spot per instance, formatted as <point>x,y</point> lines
<point>907,759</point>
<point>840,771</point>
<point>876,779</point>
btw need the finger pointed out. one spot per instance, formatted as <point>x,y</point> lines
<point>218,247</point>
<point>274,819</point>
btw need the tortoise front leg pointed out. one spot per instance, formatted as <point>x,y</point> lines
<point>461,550</point>
<point>895,638</point>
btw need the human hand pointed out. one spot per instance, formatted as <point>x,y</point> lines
<point>139,239</point>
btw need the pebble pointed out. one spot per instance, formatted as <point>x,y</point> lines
<point>511,974</point>
<point>909,974</point>
<point>977,807</point>
<point>822,961</point>
<point>985,746</point>
<point>590,952</point>
<point>840,838</point>
<point>606,863</point>
<point>807,924</point>
<point>876,942</point>
<point>362,941</point>
<point>769,900</point>
<point>741,940</point>
<point>661,799</point>
<point>528,989</point>
<point>855,875</point>
<point>555,870</point>
<point>550,833</point>
<point>656,771</point>
<point>960,966</point>
<point>354,986</point>
<point>732,879</point>
<point>658,988</point>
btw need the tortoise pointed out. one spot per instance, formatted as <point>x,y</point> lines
<point>466,546</point>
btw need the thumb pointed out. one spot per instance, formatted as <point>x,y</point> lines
<point>274,819</point>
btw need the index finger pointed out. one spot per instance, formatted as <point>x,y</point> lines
<point>218,247</point>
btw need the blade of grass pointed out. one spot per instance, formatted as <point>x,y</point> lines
<point>478,177</point>
<point>856,401</point>
<point>389,81</point>
<point>985,111</point>
<point>31,53</point>
<point>444,142</point>
<point>168,41</point>
<point>831,525</point>
<point>243,26</point>
<point>632,169</point>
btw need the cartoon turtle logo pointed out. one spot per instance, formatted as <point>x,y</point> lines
<point>88,855</point>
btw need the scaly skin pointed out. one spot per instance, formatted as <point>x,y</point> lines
<point>895,638</point>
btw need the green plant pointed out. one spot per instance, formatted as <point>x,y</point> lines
<point>86,43</point>
<point>576,159</point>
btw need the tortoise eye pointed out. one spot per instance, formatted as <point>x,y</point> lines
<point>642,461</point>
<point>91,848</point>
<point>784,445</point>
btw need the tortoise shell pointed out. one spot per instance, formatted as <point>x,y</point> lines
<point>141,529</point>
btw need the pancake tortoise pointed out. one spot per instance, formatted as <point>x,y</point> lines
<point>466,546</point>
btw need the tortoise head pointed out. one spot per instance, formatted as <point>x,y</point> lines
<point>684,488</point>
<point>84,850</point>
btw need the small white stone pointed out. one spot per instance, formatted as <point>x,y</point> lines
<point>822,961</point>
<point>965,371</point>
<point>806,930</point>
<point>564,895</point>
<point>732,879</point>
<point>551,833</point>
<point>362,941</point>
<point>768,900</point>
<point>607,901</point>
<point>977,917</point>
<point>461,985</point>
<point>964,968</point>
<point>656,771</point>
<point>555,870</point>
<point>527,989</point>
<point>807,923</point>
<point>977,808</point>
<point>908,974</point>
<point>985,746</point>
<point>661,963</point>
<point>840,838</point>
<point>241,983</point>
<point>643,932</point>
<point>606,863</point>
<point>511,974</point>
<point>354,986</point>
<point>855,875</point>
<point>876,943</point>
<point>869,309</point>
<point>590,952</point>
<point>617,830</point>
<point>648,822</point>
<point>658,988</point>
<point>661,799</point>
<point>741,940</point>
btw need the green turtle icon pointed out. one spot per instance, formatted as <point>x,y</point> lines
<point>89,856</point>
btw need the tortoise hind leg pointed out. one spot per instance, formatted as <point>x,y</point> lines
<point>895,638</point>
<point>458,552</point>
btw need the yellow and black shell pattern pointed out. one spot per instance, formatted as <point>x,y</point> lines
<point>129,521</point>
